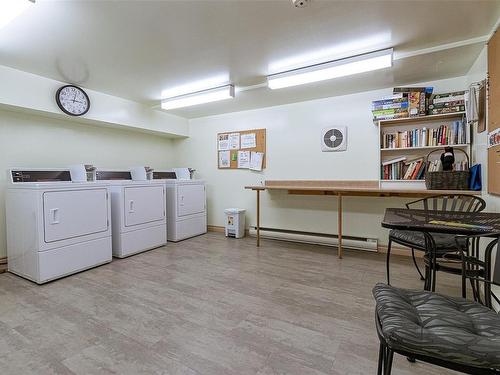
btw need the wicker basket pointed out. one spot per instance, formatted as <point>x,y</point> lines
<point>447,180</point>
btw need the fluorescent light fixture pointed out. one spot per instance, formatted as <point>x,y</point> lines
<point>333,69</point>
<point>218,80</point>
<point>206,96</point>
<point>346,48</point>
<point>10,9</point>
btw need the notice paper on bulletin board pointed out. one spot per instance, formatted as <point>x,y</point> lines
<point>494,138</point>
<point>256,159</point>
<point>224,159</point>
<point>243,159</point>
<point>245,149</point>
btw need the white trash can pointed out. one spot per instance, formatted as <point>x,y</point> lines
<point>235,222</point>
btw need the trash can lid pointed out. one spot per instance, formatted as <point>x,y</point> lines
<point>234,210</point>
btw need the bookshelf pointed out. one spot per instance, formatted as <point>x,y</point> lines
<point>431,123</point>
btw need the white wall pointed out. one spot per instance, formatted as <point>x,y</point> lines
<point>293,152</point>
<point>34,141</point>
<point>32,93</point>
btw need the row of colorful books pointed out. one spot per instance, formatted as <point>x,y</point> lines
<point>417,101</point>
<point>435,166</point>
<point>401,169</point>
<point>452,134</point>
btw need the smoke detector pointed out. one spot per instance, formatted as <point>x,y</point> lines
<point>300,3</point>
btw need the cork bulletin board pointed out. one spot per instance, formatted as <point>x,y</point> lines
<point>237,145</point>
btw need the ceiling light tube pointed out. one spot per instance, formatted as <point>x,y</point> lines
<point>10,9</point>
<point>333,69</point>
<point>205,96</point>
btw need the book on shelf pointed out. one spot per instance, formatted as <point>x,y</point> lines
<point>389,111</point>
<point>448,97</point>
<point>461,166</point>
<point>452,103</point>
<point>395,105</point>
<point>433,166</point>
<point>414,103</point>
<point>423,103</point>
<point>391,116</point>
<point>444,135</point>
<point>397,98</point>
<point>393,161</point>
<point>441,111</point>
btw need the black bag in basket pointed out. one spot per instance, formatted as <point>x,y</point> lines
<point>447,180</point>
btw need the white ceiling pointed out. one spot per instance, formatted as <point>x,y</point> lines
<point>136,49</point>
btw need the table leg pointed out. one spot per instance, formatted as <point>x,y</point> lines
<point>339,225</point>
<point>258,218</point>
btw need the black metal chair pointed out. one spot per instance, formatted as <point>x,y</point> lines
<point>450,332</point>
<point>445,257</point>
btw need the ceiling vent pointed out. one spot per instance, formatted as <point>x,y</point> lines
<point>300,3</point>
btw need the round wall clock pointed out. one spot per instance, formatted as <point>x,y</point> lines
<point>72,100</point>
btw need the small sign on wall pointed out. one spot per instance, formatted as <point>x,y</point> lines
<point>494,138</point>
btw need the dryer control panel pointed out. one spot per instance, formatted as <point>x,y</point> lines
<point>113,175</point>
<point>18,176</point>
<point>164,175</point>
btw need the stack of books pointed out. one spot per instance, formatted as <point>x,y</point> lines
<point>405,102</point>
<point>454,134</point>
<point>391,107</point>
<point>447,103</point>
<point>417,99</point>
<point>401,169</point>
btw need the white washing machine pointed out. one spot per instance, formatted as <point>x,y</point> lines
<point>186,206</point>
<point>55,227</point>
<point>137,211</point>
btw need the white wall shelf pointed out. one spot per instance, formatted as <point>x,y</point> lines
<point>421,148</point>
<point>403,181</point>
<point>417,119</point>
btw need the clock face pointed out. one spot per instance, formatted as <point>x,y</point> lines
<point>72,100</point>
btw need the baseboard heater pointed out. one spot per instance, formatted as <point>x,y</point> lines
<point>349,242</point>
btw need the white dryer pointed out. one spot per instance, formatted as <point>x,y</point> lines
<point>55,227</point>
<point>186,206</point>
<point>137,211</point>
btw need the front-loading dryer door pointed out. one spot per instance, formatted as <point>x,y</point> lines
<point>144,204</point>
<point>74,213</point>
<point>190,199</point>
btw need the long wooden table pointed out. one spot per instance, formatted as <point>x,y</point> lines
<point>339,189</point>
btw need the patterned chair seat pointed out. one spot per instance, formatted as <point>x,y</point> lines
<point>438,326</point>
<point>445,243</point>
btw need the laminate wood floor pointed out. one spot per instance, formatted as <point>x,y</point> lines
<point>208,305</point>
